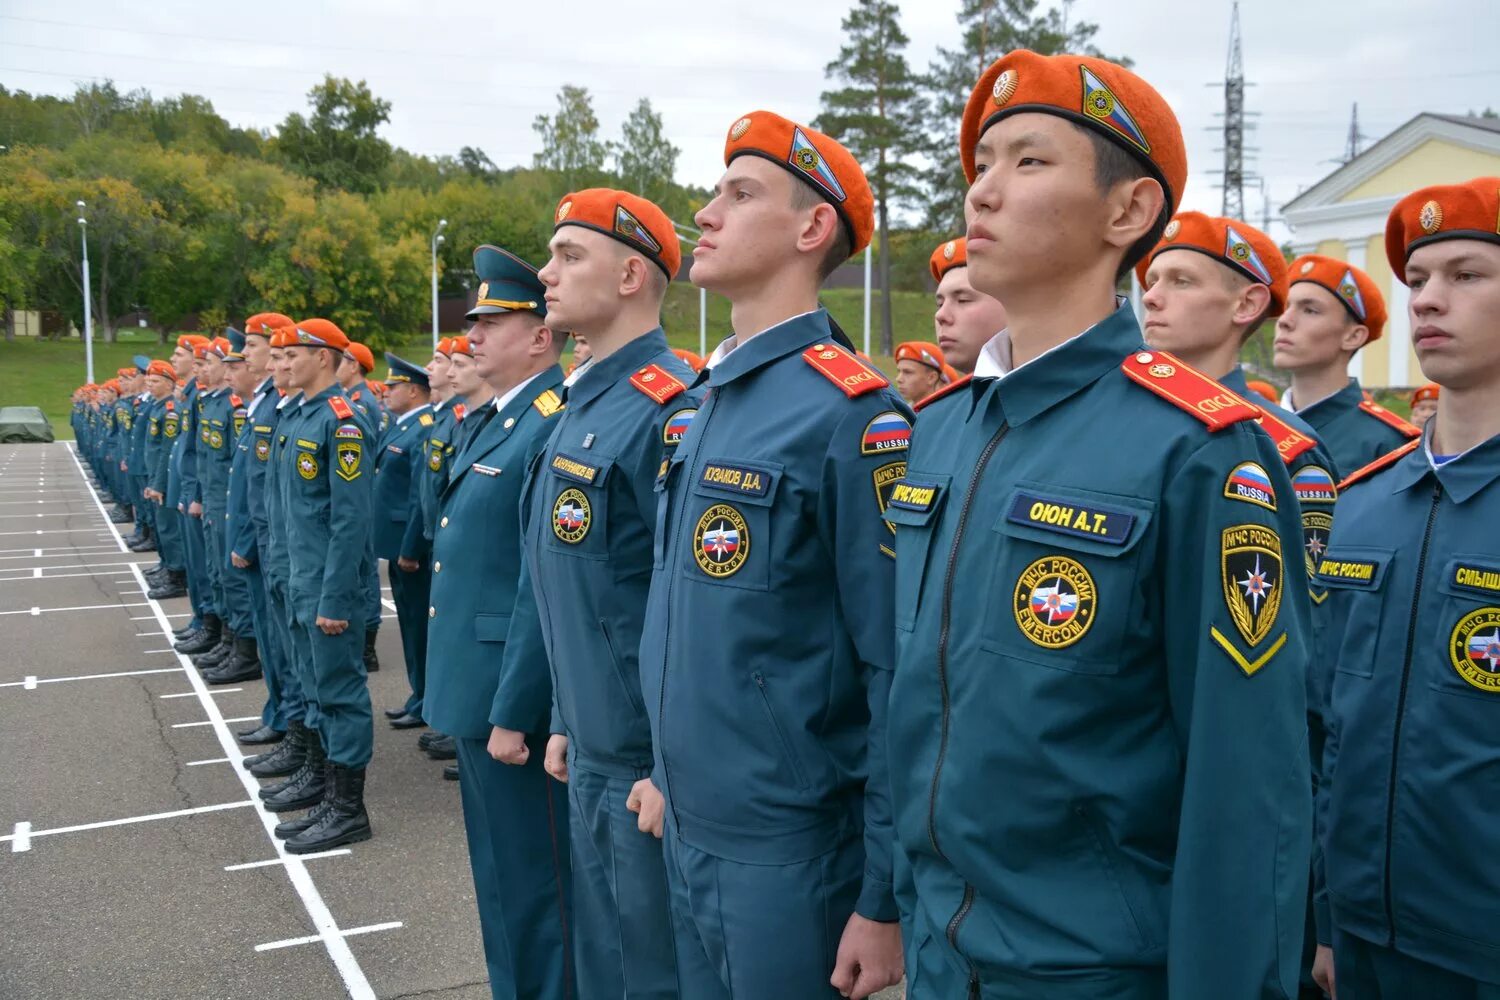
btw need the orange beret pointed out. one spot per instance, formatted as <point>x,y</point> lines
<point>1094,93</point>
<point>1428,391</point>
<point>378,388</point>
<point>823,163</point>
<point>361,354</point>
<point>1349,285</point>
<point>629,218</point>
<point>1238,245</point>
<point>1264,390</point>
<point>191,340</point>
<point>204,349</point>
<point>689,358</point>
<point>127,372</point>
<point>262,324</point>
<point>319,333</point>
<point>162,368</point>
<point>460,345</point>
<point>922,353</point>
<point>954,253</point>
<point>112,385</point>
<point>1469,211</point>
<point>445,345</point>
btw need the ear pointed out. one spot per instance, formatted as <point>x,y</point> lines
<point>1357,336</point>
<point>819,231</point>
<point>633,275</point>
<point>1255,299</point>
<point>1134,207</point>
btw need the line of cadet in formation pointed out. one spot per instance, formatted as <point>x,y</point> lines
<point>1074,689</point>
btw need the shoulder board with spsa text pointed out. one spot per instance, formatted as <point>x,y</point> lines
<point>1383,462</point>
<point>340,407</point>
<point>1290,442</point>
<point>658,383</point>
<point>844,370</point>
<point>1188,389</point>
<point>1389,419</point>
<point>946,390</point>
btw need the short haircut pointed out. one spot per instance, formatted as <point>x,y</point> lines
<point>841,249</point>
<point>1112,165</point>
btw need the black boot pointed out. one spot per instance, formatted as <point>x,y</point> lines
<point>372,658</point>
<point>147,542</point>
<point>305,787</point>
<point>288,756</point>
<point>289,828</point>
<point>173,584</point>
<point>135,536</point>
<point>259,734</point>
<point>155,573</point>
<point>204,639</point>
<point>220,653</point>
<point>119,515</point>
<point>442,748</point>
<point>450,772</point>
<point>242,665</point>
<point>179,634</point>
<point>343,820</point>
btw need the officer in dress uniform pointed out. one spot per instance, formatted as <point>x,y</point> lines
<point>1409,898</point>
<point>1091,614</point>
<point>398,524</point>
<point>170,580</point>
<point>1333,310</point>
<point>589,518</point>
<point>488,680</point>
<point>767,636</point>
<point>326,505</point>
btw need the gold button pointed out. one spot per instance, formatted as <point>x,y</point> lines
<point>432,612</point>
<point>443,523</point>
<point>437,567</point>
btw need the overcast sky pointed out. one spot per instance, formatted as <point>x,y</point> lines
<point>468,73</point>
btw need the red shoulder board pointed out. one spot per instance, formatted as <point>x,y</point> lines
<point>945,390</point>
<point>1290,442</point>
<point>340,407</point>
<point>1384,461</point>
<point>1187,388</point>
<point>1389,419</point>
<point>844,370</point>
<point>235,400</point>
<point>656,382</point>
<point>281,393</point>
<point>171,406</point>
<point>459,411</point>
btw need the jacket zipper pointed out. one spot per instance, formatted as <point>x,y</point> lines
<point>942,670</point>
<point>1411,636</point>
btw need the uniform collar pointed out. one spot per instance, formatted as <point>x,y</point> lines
<point>1347,398</point>
<point>733,359</point>
<point>328,393</point>
<point>414,411</point>
<point>1462,477</point>
<point>600,374</point>
<point>514,402</point>
<point>1072,365</point>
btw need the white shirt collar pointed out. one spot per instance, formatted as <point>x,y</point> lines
<point>996,360</point>
<point>728,344</point>
<point>577,373</point>
<point>502,401</point>
<point>411,413</point>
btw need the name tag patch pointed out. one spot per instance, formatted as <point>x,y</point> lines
<point>1069,517</point>
<point>572,468</point>
<point>1477,577</point>
<point>750,482</point>
<point>915,494</point>
<point>1353,570</point>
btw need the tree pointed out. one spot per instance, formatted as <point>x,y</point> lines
<point>877,115</point>
<point>338,144</point>
<point>571,146</point>
<point>990,28</point>
<point>645,158</point>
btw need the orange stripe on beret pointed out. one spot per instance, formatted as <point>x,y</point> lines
<point>1349,285</point>
<point>1094,93</point>
<point>1468,211</point>
<point>820,161</point>
<point>954,253</point>
<point>625,217</point>
<point>922,353</point>
<point>1237,245</point>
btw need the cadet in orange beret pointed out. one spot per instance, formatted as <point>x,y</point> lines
<point>1411,767</point>
<point>1424,400</point>
<point>966,318</point>
<point>690,358</point>
<point>778,844</point>
<point>1333,310</point>
<point>1262,390</point>
<point>1071,622</point>
<point>920,370</point>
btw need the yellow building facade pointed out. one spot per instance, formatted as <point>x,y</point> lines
<point>1344,214</point>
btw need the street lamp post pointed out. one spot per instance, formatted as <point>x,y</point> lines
<point>88,306</point>
<point>437,238</point>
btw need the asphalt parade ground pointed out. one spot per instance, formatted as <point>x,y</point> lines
<point>135,859</point>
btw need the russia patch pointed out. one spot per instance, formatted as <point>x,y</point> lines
<point>677,425</point>
<point>1314,484</point>
<point>889,431</point>
<point>1251,483</point>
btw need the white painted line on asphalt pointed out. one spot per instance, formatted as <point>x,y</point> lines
<point>21,839</point>
<point>356,984</point>
<point>30,683</point>
<point>36,574</point>
<point>281,861</point>
<point>152,618</point>
<point>211,760</point>
<point>194,694</point>
<point>213,722</point>
<point>328,937</point>
<point>167,650</point>
<point>81,607</point>
<point>30,835</point>
<point>49,531</point>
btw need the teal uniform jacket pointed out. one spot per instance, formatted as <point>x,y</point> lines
<point>1410,800</point>
<point>591,512</point>
<point>183,458</point>
<point>437,456</point>
<point>140,426</point>
<point>397,521</point>
<point>216,442</point>
<point>161,414</point>
<point>486,662</point>
<point>1098,731</point>
<point>247,478</point>
<point>325,481</point>
<point>276,560</point>
<point>192,454</point>
<point>1356,431</point>
<point>766,654</point>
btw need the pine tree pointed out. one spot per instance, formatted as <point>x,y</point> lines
<point>877,115</point>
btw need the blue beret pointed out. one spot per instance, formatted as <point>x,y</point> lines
<point>404,371</point>
<point>506,284</point>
